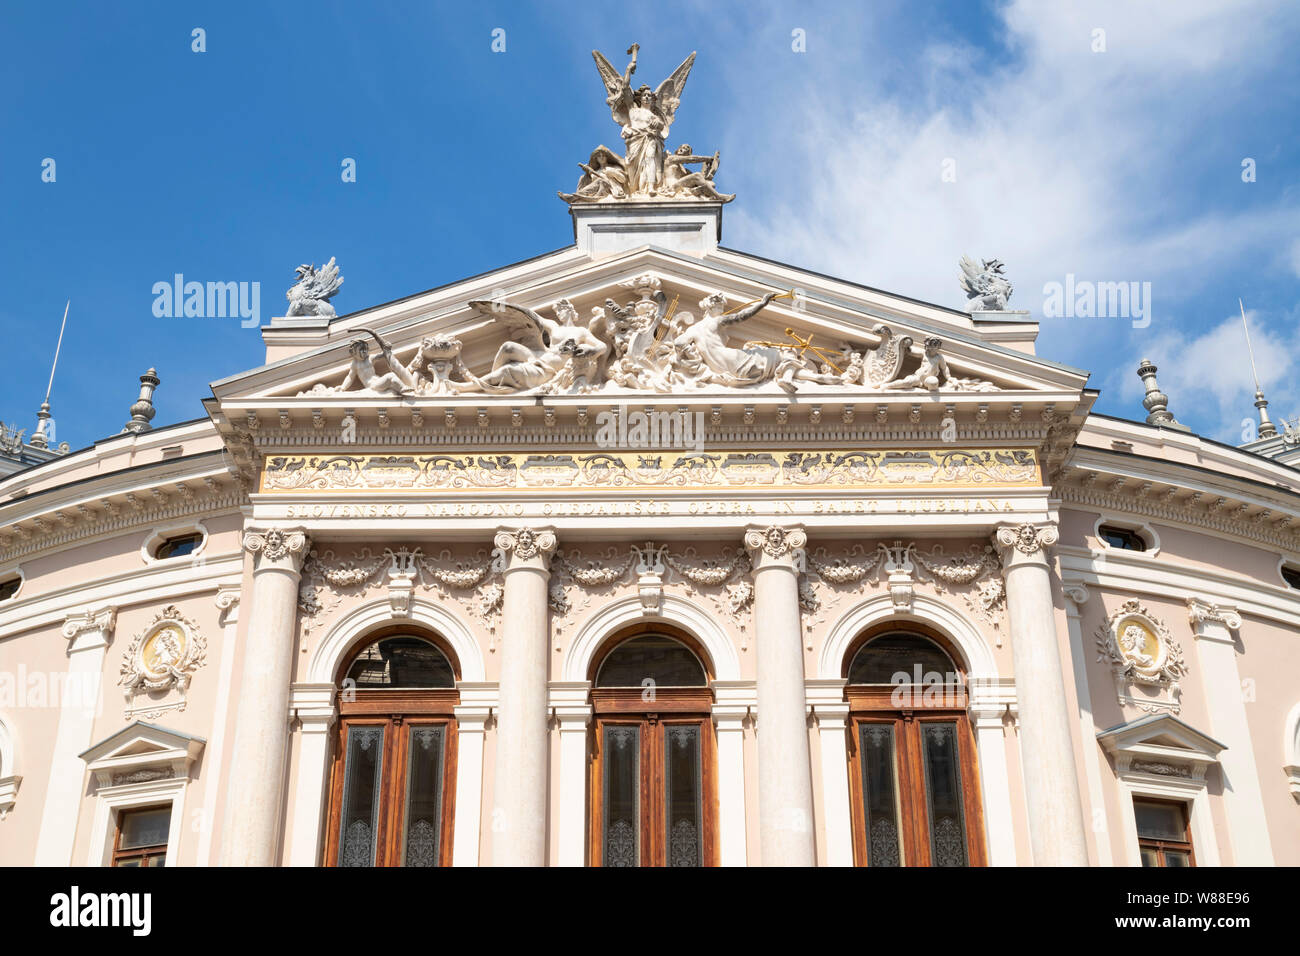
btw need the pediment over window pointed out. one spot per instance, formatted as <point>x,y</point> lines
<point>141,753</point>
<point>1161,746</point>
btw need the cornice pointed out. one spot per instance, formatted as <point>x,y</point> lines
<point>1225,516</point>
<point>64,525</point>
<point>541,437</point>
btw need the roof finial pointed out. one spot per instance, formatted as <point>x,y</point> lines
<point>142,412</point>
<point>1266,426</point>
<point>1156,402</point>
<point>41,437</point>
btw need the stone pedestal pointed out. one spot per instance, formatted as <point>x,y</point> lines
<point>607,229</point>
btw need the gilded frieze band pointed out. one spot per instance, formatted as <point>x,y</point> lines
<point>614,471</point>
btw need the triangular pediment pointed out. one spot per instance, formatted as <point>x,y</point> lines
<point>1160,738</point>
<point>804,343</point>
<point>142,747</point>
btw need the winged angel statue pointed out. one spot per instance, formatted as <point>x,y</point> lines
<point>986,285</point>
<point>310,295</point>
<point>645,171</point>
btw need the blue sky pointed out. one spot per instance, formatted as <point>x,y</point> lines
<point>1114,164</point>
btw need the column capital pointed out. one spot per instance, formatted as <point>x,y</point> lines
<point>1204,616</point>
<point>517,548</point>
<point>227,602</point>
<point>280,549</point>
<point>1026,541</point>
<point>775,545</point>
<point>90,629</point>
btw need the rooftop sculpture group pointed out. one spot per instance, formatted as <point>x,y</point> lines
<point>646,171</point>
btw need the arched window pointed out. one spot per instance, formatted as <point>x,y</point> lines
<point>652,777</point>
<point>394,762</point>
<point>912,754</point>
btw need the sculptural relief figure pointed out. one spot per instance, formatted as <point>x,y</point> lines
<point>986,285</point>
<point>934,373</point>
<point>542,352</point>
<point>642,360</point>
<point>362,373</point>
<point>702,355</point>
<point>680,181</point>
<point>310,295</point>
<point>645,171</point>
<point>648,345</point>
<point>1133,642</point>
<point>435,362</point>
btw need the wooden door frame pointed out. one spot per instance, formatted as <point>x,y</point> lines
<point>614,706</point>
<point>393,710</point>
<point>871,705</point>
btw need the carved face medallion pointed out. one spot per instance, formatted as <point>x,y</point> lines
<point>163,651</point>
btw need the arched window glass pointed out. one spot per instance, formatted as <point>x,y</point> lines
<point>912,759</point>
<point>401,661</point>
<point>391,791</point>
<point>655,657</point>
<point>652,767</point>
<point>889,658</point>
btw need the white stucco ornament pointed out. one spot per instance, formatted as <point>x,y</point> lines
<point>1147,662</point>
<point>162,657</point>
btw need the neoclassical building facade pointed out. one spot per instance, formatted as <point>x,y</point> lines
<point>651,552</point>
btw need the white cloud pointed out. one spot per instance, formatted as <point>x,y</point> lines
<point>1063,158</point>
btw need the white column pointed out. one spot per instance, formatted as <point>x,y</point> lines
<point>313,707</point>
<point>519,801</point>
<point>573,716</point>
<point>227,601</point>
<point>1076,596</point>
<point>785,797</point>
<point>1056,830</point>
<point>81,702</point>
<point>734,701</point>
<point>477,702</point>
<point>831,711</point>
<point>1242,797</point>
<point>251,832</point>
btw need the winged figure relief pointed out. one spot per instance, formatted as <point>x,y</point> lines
<point>646,170</point>
<point>985,284</point>
<point>310,295</point>
<point>540,352</point>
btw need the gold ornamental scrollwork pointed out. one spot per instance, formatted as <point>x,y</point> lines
<point>668,470</point>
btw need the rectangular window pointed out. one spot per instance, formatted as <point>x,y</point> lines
<point>880,794</point>
<point>682,795</point>
<point>363,765</point>
<point>1163,835</point>
<point>621,796</point>
<point>423,796</point>
<point>142,837</point>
